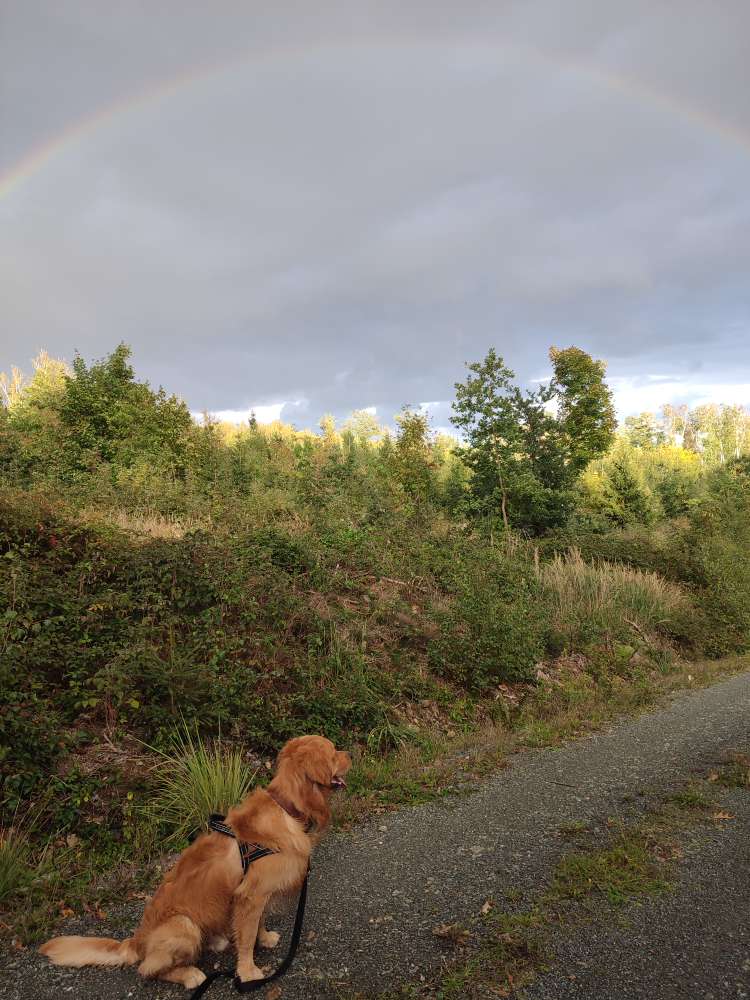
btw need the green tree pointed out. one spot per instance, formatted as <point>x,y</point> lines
<point>643,431</point>
<point>486,410</point>
<point>413,455</point>
<point>631,500</point>
<point>107,415</point>
<point>525,450</point>
<point>585,410</point>
<point>327,426</point>
<point>363,426</point>
<point>674,476</point>
<point>32,408</point>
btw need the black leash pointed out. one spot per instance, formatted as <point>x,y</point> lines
<point>259,984</point>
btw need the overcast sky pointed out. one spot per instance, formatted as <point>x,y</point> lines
<point>314,207</point>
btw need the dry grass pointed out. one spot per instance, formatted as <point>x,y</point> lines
<point>20,867</point>
<point>608,596</point>
<point>14,861</point>
<point>150,525</point>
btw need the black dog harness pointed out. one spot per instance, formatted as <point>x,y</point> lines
<point>248,852</point>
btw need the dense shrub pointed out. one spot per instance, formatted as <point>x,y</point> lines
<point>723,573</point>
<point>257,630</point>
<point>658,549</point>
<point>492,631</point>
<point>718,542</point>
<point>705,552</point>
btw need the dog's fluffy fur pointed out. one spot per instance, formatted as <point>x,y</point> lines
<point>204,899</point>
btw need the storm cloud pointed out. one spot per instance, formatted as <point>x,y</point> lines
<point>320,207</point>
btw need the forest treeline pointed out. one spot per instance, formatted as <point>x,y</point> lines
<point>534,460</point>
<point>260,580</point>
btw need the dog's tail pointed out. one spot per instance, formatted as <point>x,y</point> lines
<point>76,951</point>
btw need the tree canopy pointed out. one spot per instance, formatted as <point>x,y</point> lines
<point>526,449</point>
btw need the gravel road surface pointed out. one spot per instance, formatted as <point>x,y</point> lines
<point>693,943</point>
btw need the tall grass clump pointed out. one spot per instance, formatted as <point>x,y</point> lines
<point>197,778</point>
<point>601,601</point>
<point>15,872</point>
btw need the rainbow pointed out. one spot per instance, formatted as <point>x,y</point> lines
<point>44,154</point>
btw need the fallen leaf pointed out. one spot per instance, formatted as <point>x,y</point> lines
<point>713,776</point>
<point>486,907</point>
<point>722,815</point>
<point>454,933</point>
<point>72,840</point>
<point>273,993</point>
<point>311,935</point>
<point>667,852</point>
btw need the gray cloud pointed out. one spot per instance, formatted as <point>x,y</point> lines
<point>341,203</point>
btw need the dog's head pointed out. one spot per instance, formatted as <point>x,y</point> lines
<point>316,760</point>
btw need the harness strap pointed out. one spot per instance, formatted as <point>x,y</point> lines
<point>248,852</point>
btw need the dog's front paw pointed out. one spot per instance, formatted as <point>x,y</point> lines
<point>268,939</point>
<point>249,971</point>
<point>193,978</point>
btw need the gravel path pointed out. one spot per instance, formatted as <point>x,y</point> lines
<point>376,894</point>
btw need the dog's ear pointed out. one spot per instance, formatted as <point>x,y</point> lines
<point>318,765</point>
<point>343,762</point>
<point>284,754</point>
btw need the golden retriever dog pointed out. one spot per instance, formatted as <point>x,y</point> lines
<point>205,897</point>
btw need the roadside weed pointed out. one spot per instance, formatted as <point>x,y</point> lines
<point>196,778</point>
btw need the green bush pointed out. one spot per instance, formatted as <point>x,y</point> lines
<point>706,552</point>
<point>718,543</point>
<point>723,570</point>
<point>492,631</point>
<point>113,627</point>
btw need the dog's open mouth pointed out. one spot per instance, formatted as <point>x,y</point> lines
<point>337,781</point>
